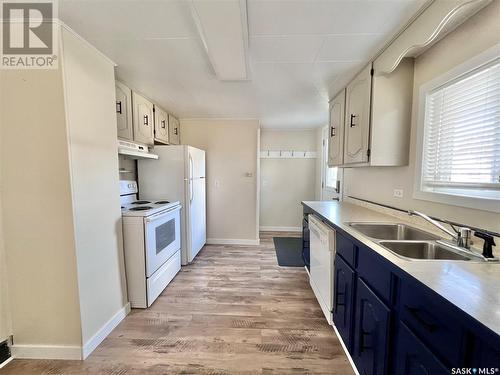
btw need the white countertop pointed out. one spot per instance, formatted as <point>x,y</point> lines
<point>471,286</point>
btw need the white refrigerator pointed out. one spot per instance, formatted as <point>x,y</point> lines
<point>179,175</point>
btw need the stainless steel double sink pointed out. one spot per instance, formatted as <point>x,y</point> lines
<point>411,243</point>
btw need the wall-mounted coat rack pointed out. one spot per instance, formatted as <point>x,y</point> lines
<point>288,154</point>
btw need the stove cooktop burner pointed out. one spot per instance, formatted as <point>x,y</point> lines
<point>142,208</point>
<point>141,202</point>
<point>162,202</point>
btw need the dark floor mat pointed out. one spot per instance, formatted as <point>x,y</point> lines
<point>289,251</point>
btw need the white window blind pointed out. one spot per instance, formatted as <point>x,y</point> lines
<point>461,149</point>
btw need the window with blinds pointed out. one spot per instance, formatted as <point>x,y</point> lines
<point>461,145</point>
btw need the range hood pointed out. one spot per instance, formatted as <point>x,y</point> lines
<point>135,151</point>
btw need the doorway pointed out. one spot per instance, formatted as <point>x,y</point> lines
<point>331,178</point>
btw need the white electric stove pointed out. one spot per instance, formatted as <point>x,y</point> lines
<point>146,207</point>
<point>152,243</point>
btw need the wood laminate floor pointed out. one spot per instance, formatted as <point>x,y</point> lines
<point>233,311</point>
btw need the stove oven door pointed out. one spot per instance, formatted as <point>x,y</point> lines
<point>163,238</point>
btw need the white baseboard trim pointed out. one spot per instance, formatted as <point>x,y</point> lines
<point>46,352</point>
<point>4,363</point>
<point>232,241</point>
<point>280,229</point>
<point>105,330</point>
<point>345,350</point>
<point>70,352</point>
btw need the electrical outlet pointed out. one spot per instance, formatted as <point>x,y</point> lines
<point>398,193</point>
<point>217,183</point>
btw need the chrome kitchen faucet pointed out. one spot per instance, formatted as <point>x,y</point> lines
<point>461,235</point>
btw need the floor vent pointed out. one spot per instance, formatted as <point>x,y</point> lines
<point>4,352</point>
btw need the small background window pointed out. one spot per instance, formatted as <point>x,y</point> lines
<point>331,177</point>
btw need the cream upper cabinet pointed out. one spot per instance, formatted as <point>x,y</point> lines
<point>375,130</point>
<point>336,131</point>
<point>161,126</point>
<point>174,131</point>
<point>124,111</point>
<point>357,118</point>
<point>143,119</point>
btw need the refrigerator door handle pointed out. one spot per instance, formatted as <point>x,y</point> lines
<point>192,190</point>
<point>191,195</point>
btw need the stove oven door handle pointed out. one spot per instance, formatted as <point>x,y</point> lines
<point>160,215</point>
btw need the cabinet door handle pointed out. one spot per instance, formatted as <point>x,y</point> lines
<point>175,131</point>
<point>163,124</point>
<point>119,107</point>
<point>332,131</point>
<point>352,124</point>
<point>414,312</point>
<point>146,120</point>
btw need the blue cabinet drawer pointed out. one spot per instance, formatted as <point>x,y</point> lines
<point>343,300</point>
<point>414,358</point>
<point>346,248</point>
<point>431,318</point>
<point>376,272</point>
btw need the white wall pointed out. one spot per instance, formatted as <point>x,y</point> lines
<point>231,153</point>
<point>89,82</point>
<point>37,210</point>
<point>319,161</point>
<point>479,33</point>
<point>5,319</point>
<point>61,212</point>
<point>284,183</point>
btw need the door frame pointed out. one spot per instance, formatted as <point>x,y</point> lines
<point>328,193</point>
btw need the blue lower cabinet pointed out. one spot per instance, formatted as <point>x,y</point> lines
<point>413,358</point>
<point>393,324</point>
<point>343,301</point>
<point>486,355</point>
<point>371,332</point>
<point>433,322</point>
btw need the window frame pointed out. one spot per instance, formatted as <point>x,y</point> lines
<point>441,197</point>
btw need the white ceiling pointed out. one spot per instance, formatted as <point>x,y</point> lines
<point>301,53</point>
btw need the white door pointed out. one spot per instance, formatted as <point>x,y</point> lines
<point>197,201</point>
<point>357,118</point>
<point>331,177</point>
<point>336,132</point>
<point>143,119</point>
<point>124,111</point>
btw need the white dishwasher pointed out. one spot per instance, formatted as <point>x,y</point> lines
<point>322,252</point>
